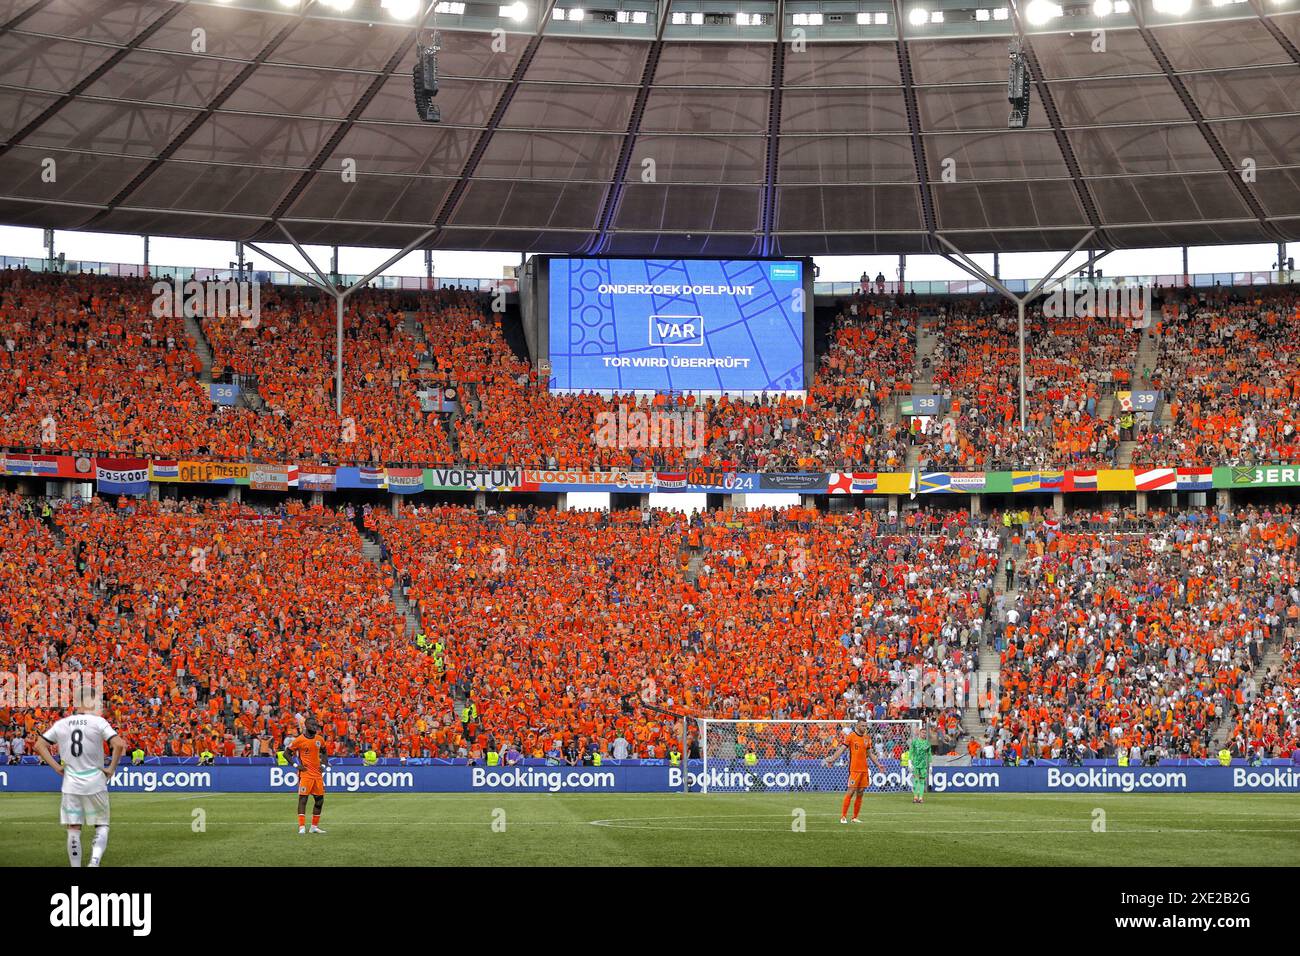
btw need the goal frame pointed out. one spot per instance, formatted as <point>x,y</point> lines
<point>704,723</point>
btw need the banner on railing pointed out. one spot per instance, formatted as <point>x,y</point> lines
<point>272,476</point>
<point>122,476</point>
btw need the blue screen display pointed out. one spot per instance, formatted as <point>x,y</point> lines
<point>727,325</point>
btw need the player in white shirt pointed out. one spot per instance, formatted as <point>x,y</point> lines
<point>81,740</point>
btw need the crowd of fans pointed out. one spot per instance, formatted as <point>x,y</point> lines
<point>552,620</point>
<point>1229,367</point>
<point>1141,641</point>
<point>1071,366</point>
<point>90,366</point>
<point>217,627</point>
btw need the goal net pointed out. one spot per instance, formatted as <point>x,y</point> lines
<point>789,755</point>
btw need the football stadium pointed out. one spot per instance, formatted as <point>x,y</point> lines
<point>680,433</point>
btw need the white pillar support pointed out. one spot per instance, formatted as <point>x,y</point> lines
<point>320,281</point>
<point>1048,282</point>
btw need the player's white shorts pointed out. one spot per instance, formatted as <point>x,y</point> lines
<point>90,810</point>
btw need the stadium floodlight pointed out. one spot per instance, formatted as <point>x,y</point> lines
<point>290,4</point>
<point>576,14</point>
<point>342,6</point>
<point>1175,8</point>
<point>454,6</point>
<point>640,16</point>
<point>936,16</point>
<point>882,19</point>
<point>1121,6</point>
<point>982,14</point>
<point>513,11</point>
<point>918,16</point>
<point>1102,8</point>
<point>401,9</point>
<point>697,19</point>
<point>1040,12</point>
<point>1000,13</point>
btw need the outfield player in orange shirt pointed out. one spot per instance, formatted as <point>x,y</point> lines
<point>311,762</point>
<point>858,744</point>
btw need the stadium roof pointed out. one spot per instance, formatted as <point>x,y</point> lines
<point>835,141</point>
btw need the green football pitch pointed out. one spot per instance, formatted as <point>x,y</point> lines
<point>674,829</point>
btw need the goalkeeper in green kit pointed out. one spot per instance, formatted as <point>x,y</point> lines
<point>918,759</point>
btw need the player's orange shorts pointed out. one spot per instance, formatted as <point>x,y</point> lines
<point>860,780</point>
<point>311,785</point>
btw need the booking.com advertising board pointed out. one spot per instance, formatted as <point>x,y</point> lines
<point>684,325</point>
<point>766,776</point>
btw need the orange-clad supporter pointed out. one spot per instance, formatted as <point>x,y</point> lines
<point>1144,632</point>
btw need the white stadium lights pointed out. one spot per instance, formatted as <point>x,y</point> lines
<point>1102,8</point>
<point>1000,13</point>
<point>918,16</point>
<point>808,19</point>
<point>936,17</point>
<point>513,11</point>
<point>1040,12</point>
<point>982,14</point>
<point>291,4</point>
<point>450,6</point>
<point>879,18</point>
<point>401,9</point>
<point>342,6</point>
<point>697,19</point>
<point>882,19</point>
<point>1174,8</point>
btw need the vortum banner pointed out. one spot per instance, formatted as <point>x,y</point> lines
<point>658,777</point>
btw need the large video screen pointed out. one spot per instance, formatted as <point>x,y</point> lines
<point>730,325</point>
